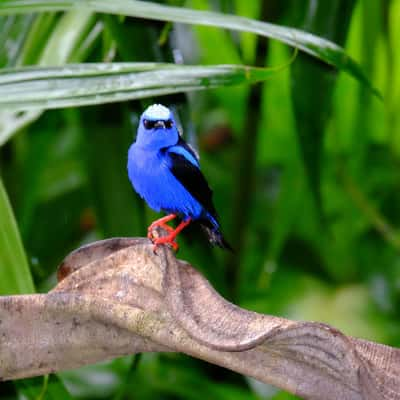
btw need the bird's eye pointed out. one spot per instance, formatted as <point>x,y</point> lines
<point>169,124</point>
<point>148,124</point>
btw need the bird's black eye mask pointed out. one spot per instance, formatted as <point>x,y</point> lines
<point>151,124</point>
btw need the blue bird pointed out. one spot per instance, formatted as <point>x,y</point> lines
<point>165,172</point>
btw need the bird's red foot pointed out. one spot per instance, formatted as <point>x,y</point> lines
<point>173,233</point>
<point>162,223</point>
<point>169,239</point>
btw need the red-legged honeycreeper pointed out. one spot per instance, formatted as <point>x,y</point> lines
<point>165,172</point>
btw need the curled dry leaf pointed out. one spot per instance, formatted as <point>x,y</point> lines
<point>117,297</point>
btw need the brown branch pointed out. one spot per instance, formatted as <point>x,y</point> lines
<point>117,297</point>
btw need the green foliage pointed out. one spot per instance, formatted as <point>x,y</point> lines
<point>313,45</point>
<point>303,159</point>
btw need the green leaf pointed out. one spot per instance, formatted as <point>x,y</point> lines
<point>36,39</point>
<point>318,47</point>
<point>83,84</point>
<point>49,387</point>
<point>313,84</point>
<point>65,40</point>
<point>15,276</point>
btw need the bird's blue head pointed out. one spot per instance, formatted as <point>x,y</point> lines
<point>157,128</point>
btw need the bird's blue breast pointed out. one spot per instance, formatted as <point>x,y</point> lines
<point>152,179</point>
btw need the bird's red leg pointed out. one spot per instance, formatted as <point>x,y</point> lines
<point>162,222</point>
<point>170,238</point>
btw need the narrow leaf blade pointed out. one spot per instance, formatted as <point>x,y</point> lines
<point>15,276</point>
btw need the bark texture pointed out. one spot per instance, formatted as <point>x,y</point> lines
<point>116,297</point>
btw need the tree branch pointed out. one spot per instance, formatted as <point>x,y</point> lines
<point>116,297</point>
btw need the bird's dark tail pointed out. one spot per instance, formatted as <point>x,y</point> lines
<point>215,236</point>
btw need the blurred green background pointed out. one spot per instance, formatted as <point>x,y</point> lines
<point>305,168</point>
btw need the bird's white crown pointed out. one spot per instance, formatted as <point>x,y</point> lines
<point>157,111</point>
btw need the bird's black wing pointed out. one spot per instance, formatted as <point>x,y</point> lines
<point>188,148</point>
<point>189,175</point>
<point>183,163</point>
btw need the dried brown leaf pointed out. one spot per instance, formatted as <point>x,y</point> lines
<point>118,297</point>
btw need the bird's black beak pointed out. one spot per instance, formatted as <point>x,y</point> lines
<point>159,124</point>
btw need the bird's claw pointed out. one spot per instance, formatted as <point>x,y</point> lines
<point>172,233</point>
<point>169,240</point>
<point>162,223</point>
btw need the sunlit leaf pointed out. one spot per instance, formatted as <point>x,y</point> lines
<point>83,84</point>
